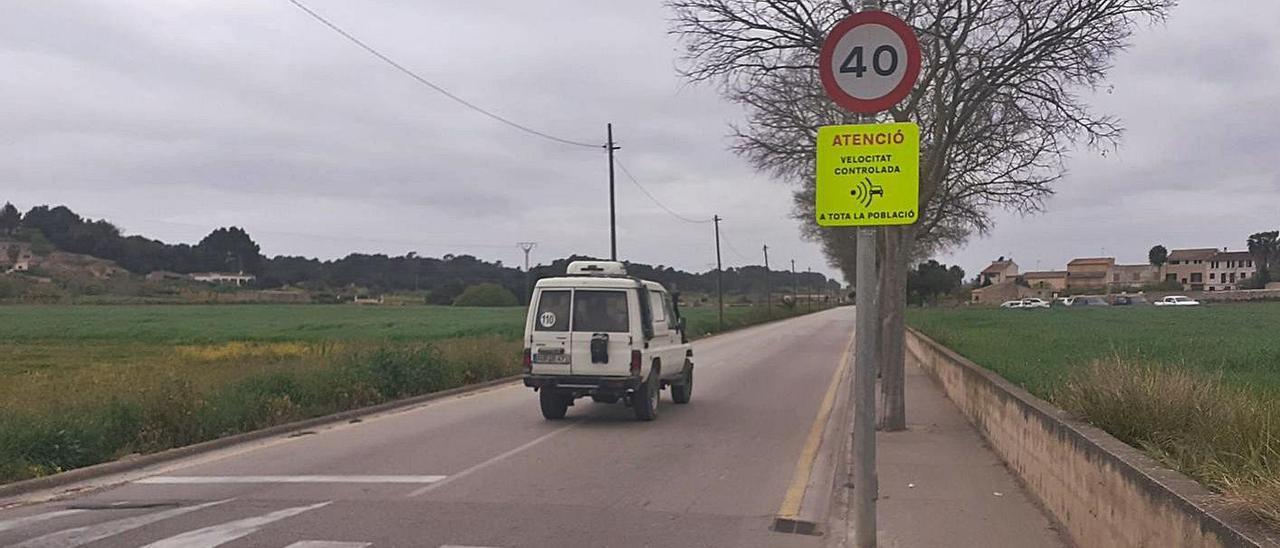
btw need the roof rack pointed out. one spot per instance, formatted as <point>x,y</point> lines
<point>609,269</point>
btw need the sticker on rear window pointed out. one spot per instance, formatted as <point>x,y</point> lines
<point>547,319</point>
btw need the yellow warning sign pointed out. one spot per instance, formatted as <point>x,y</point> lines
<point>868,174</point>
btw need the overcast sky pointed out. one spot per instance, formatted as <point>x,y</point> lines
<point>173,118</point>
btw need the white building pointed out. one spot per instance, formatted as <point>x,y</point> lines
<point>223,278</point>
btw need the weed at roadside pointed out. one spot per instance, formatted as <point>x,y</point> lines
<point>1223,436</point>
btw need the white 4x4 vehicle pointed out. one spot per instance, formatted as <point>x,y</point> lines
<point>598,332</point>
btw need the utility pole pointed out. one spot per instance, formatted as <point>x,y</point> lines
<point>613,215</point>
<point>808,288</point>
<point>527,247</point>
<point>795,286</point>
<point>719,273</point>
<point>768,285</point>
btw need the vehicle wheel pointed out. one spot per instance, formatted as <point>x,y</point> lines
<point>604,399</point>
<point>554,404</point>
<point>645,400</point>
<point>680,393</point>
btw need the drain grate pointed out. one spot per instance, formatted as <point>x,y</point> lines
<point>795,526</point>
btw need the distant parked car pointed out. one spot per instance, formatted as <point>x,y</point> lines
<point>1025,303</point>
<point>1063,301</point>
<point>1177,300</point>
<point>1087,301</point>
<point>1128,300</point>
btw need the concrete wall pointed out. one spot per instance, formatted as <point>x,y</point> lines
<point>1239,295</point>
<point>1102,492</point>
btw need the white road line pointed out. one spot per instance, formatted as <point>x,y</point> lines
<point>489,462</point>
<point>327,544</point>
<point>217,535</point>
<point>83,535</point>
<point>463,546</point>
<point>196,480</point>
<point>19,522</point>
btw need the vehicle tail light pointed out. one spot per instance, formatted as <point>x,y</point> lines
<point>528,361</point>
<point>635,362</point>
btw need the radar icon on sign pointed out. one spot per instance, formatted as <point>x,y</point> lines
<point>865,191</point>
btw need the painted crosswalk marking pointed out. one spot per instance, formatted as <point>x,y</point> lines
<point>27,520</point>
<point>327,544</point>
<point>217,535</point>
<point>207,537</point>
<point>79,536</point>
<point>197,480</point>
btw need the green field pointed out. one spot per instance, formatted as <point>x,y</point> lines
<point>85,384</point>
<point>1196,388</point>
<point>1037,348</point>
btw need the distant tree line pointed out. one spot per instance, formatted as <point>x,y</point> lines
<point>931,279</point>
<point>231,249</point>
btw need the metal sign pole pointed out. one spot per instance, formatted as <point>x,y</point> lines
<point>866,486</point>
<point>867,323</point>
<point>868,177</point>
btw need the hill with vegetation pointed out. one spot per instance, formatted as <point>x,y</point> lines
<point>46,232</point>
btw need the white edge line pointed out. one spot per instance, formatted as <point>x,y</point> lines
<point>489,462</point>
<point>198,480</point>
<point>27,520</point>
<point>327,544</point>
<point>217,535</point>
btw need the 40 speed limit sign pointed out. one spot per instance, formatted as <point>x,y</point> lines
<point>868,174</point>
<point>869,62</point>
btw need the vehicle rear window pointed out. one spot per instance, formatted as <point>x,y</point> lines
<point>553,311</point>
<point>600,311</point>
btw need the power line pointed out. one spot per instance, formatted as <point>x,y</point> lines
<point>729,244</point>
<point>435,87</point>
<point>633,180</point>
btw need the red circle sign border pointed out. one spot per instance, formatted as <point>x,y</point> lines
<point>827,71</point>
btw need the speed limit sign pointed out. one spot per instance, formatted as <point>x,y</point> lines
<point>869,62</point>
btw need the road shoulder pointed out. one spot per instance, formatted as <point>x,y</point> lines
<point>941,468</point>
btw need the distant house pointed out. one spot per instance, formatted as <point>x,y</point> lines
<point>1089,273</point>
<point>997,293</point>
<point>1228,268</point>
<point>1189,267</point>
<point>1055,280</point>
<point>21,263</point>
<point>999,270</point>
<point>1123,276</point>
<point>223,278</point>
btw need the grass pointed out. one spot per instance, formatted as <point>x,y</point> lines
<point>1194,388</point>
<point>1038,348</point>
<point>81,385</point>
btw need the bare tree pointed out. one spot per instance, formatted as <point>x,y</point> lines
<point>997,102</point>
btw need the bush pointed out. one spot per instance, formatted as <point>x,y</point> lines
<point>1225,437</point>
<point>174,412</point>
<point>40,246</point>
<point>445,294</point>
<point>1253,282</point>
<point>487,294</point>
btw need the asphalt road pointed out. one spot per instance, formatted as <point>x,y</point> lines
<point>485,470</point>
